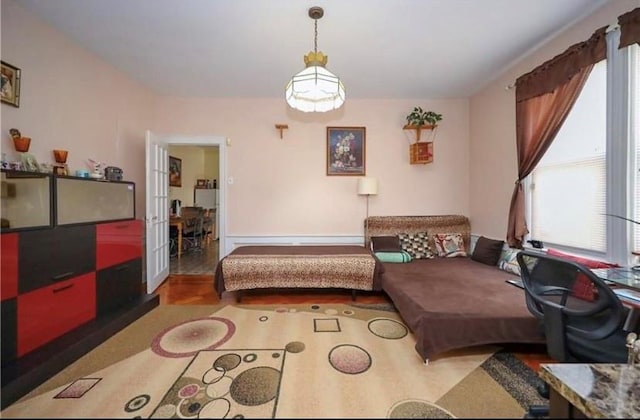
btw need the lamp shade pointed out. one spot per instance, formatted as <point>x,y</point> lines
<point>367,186</point>
<point>315,89</point>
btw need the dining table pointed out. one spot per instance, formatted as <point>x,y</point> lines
<point>178,223</point>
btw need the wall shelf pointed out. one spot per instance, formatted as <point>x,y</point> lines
<point>420,152</point>
<point>418,129</point>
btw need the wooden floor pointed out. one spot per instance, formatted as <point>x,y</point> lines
<point>198,290</point>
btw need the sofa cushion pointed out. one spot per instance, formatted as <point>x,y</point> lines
<point>508,261</point>
<point>449,245</point>
<point>394,257</point>
<point>416,244</point>
<point>487,251</point>
<point>386,244</point>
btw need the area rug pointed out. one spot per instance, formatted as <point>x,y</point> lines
<point>279,361</point>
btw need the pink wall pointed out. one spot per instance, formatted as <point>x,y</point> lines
<point>280,185</point>
<point>71,99</point>
<point>493,167</point>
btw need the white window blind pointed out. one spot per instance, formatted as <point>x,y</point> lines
<point>568,187</point>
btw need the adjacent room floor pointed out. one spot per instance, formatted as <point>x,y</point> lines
<point>196,260</point>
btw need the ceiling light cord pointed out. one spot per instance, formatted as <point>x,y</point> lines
<point>315,36</point>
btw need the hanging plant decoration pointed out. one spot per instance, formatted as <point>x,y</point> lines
<point>419,117</point>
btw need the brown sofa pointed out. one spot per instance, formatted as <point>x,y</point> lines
<point>451,303</point>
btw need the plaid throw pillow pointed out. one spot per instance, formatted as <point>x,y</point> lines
<point>416,244</point>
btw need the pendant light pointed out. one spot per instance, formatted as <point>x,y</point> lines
<point>315,89</point>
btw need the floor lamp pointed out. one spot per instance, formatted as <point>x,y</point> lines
<point>367,186</point>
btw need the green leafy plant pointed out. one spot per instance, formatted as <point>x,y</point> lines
<point>421,117</point>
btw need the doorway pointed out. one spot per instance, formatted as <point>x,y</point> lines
<point>158,205</point>
<point>197,195</point>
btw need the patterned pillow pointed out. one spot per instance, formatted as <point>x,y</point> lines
<point>416,244</point>
<point>508,261</point>
<point>449,245</point>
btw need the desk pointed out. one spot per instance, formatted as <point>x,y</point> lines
<point>596,390</point>
<point>177,222</point>
<point>623,277</point>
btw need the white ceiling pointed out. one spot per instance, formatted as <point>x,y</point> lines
<point>250,48</point>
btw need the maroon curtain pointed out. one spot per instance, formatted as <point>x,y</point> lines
<point>629,28</point>
<point>544,98</point>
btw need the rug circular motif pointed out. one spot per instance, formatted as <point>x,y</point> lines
<point>215,409</point>
<point>349,359</point>
<point>219,388</point>
<point>255,386</point>
<point>190,337</point>
<point>388,328</point>
<point>227,362</point>
<point>136,403</point>
<point>418,409</point>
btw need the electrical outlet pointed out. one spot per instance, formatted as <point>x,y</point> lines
<point>230,180</point>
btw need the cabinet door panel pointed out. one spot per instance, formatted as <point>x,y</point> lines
<point>118,285</point>
<point>49,312</point>
<point>51,255</point>
<point>9,266</point>
<point>118,242</point>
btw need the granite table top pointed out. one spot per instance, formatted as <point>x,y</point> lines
<point>599,390</point>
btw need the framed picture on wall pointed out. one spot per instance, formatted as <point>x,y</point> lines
<point>346,147</point>
<point>10,84</point>
<point>175,172</point>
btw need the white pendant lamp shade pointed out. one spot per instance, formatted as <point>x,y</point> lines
<point>367,186</point>
<point>315,89</point>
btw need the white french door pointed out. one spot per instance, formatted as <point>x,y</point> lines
<point>157,205</point>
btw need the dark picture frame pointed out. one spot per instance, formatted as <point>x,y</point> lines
<point>10,84</point>
<point>175,172</point>
<point>346,151</point>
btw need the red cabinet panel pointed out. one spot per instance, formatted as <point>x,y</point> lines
<point>47,313</point>
<point>118,242</point>
<point>9,266</point>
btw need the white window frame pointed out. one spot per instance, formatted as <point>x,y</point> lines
<point>620,181</point>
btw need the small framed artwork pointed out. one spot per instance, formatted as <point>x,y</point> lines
<point>10,84</point>
<point>175,172</point>
<point>201,183</point>
<point>346,147</point>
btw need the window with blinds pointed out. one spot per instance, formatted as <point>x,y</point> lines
<point>576,183</point>
<point>568,186</point>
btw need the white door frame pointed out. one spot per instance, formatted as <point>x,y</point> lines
<point>221,142</point>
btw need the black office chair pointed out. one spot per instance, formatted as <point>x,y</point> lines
<point>192,235</point>
<point>581,317</point>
